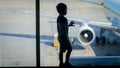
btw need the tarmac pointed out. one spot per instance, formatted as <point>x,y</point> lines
<point>17,34</point>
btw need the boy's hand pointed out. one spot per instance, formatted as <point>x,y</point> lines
<point>72,23</point>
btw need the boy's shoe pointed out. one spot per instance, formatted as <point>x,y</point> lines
<point>68,65</point>
<point>61,65</point>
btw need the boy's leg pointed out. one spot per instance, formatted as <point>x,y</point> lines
<point>61,58</point>
<point>68,53</point>
<point>62,50</point>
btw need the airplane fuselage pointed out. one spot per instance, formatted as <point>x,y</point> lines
<point>112,12</point>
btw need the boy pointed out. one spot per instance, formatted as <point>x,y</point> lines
<point>62,28</point>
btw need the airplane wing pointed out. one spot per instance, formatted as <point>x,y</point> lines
<point>103,25</point>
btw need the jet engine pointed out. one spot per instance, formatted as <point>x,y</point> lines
<point>86,35</point>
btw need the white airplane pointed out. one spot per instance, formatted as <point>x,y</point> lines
<point>86,34</point>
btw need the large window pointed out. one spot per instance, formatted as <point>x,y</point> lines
<point>17,33</point>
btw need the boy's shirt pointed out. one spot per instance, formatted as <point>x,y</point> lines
<point>62,27</point>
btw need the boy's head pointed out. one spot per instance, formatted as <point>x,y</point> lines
<point>62,8</point>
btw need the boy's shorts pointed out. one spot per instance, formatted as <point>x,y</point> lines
<point>65,45</point>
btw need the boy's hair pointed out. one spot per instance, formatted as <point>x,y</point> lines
<point>61,7</point>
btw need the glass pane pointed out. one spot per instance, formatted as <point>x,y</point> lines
<point>95,43</point>
<point>17,33</point>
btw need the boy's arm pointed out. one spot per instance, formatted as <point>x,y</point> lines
<point>71,23</point>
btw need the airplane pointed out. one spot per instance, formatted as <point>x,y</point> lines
<point>86,34</point>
